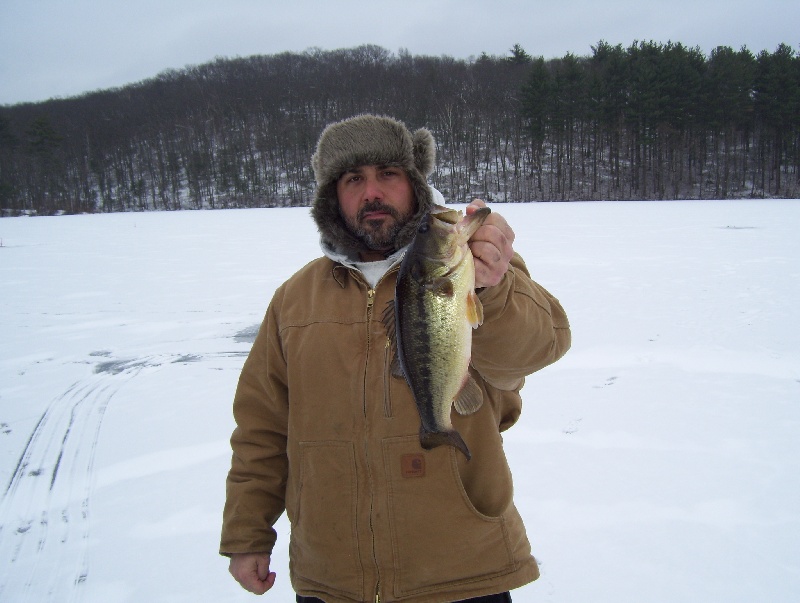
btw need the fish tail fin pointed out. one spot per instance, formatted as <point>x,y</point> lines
<point>432,439</point>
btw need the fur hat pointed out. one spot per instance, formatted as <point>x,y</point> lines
<point>369,140</point>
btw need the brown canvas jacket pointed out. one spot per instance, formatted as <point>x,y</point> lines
<point>325,433</point>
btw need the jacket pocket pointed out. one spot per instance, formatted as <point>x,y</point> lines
<point>323,547</point>
<point>438,536</point>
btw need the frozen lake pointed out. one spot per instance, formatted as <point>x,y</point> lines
<point>658,461</point>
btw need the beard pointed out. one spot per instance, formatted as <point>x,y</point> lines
<point>378,235</point>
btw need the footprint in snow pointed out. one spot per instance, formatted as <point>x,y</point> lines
<point>609,381</point>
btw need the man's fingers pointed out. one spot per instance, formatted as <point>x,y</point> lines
<point>262,567</point>
<point>474,205</point>
<point>492,246</point>
<point>485,252</point>
<point>251,571</point>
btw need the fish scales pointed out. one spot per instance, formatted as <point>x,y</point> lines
<point>435,310</point>
<point>432,354</point>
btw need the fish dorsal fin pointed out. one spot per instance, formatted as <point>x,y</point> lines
<point>469,399</point>
<point>388,320</point>
<point>474,310</point>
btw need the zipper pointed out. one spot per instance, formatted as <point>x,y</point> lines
<point>372,534</point>
<point>370,308</point>
<point>370,304</point>
<point>374,558</point>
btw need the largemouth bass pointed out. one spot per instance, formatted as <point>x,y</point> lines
<point>434,311</point>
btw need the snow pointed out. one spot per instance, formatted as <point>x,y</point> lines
<point>658,461</point>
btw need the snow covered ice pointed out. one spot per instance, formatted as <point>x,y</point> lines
<point>658,461</point>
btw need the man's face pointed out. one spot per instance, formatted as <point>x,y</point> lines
<point>376,202</point>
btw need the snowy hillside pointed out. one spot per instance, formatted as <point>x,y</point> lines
<point>657,462</point>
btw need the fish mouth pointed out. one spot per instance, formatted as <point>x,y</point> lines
<point>448,222</point>
<point>469,224</point>
<point>447,215</point>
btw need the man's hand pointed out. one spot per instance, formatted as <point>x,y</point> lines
<point>251,570</point>
<point>492,247</point>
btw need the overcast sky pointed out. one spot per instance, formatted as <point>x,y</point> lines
<point>62,48</point>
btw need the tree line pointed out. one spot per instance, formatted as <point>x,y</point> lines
<point>650,121</point>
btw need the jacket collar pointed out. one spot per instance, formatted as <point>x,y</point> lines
<point>371,271</point>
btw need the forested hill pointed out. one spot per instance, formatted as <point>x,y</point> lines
<point>650,121</point>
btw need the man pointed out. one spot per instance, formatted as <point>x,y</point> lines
<point>326,433</point>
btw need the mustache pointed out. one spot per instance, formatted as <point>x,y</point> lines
<point>377,206</point>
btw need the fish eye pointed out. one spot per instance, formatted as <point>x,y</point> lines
<point>424,227</point>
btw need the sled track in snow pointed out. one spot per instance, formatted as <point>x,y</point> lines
<point>44,509</point>
<point>45,506</point>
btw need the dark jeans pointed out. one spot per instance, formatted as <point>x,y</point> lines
<point>500,598</point>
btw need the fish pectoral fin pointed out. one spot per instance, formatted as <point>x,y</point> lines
<point>469,399</point>
<point>474,310</point>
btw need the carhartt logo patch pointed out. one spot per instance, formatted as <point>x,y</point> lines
<point>412,465</point>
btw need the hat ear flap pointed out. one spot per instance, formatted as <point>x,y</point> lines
<point>424,149</point>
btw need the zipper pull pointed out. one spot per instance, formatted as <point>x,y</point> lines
<point>370,298</point>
